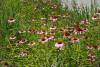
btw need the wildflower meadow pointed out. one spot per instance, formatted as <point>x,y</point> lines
<point>43,33</point>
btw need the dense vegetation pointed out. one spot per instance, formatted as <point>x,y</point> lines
<point>42,33</point>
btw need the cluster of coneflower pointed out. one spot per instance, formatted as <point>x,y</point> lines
<point>91,52</point>
<point>45,36</point>
<point>91,48</point>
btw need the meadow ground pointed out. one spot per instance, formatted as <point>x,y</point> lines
<point>41,33</point>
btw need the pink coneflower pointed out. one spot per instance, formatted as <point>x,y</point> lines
<point>84,22</point>
<point>22,41</point>
<point>59,45</point>
<point>66,35</point>
<point>78,31</point>
<point>11,20</point>
<point>54,18</point>
<point>75,40</point>
<point>12,37</point>
<point>95,17</point>
<point>43,40</point>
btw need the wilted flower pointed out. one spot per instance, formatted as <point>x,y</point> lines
<point>22,41</point>
<point>43,18</point>
<point>12,37</point>
<point>22,31</point>
<point>63,29</point>
<point>32,43</point>
<point>84,22</point>
<point>90,47</point>
<point>59,15</point>
<point>53,28</point>
<point>23,53</point>
<point>42,32</point>
<point>85,30</point>
<point>75,40</point>
<point>32,31</point>
<point>54,6</point>
<point>70,29</point>
<point>98,12</point>
<point>95,46</point>
<point>53,65</point>
<point>98,47</point>
<point>33,19</point>
<point>11,20</point>
<point>59,45</point>
<point>54,18</point>
<point>4,63</point>
<point>65,16</point>
<point>52,32</point>
<point>91,56</point>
